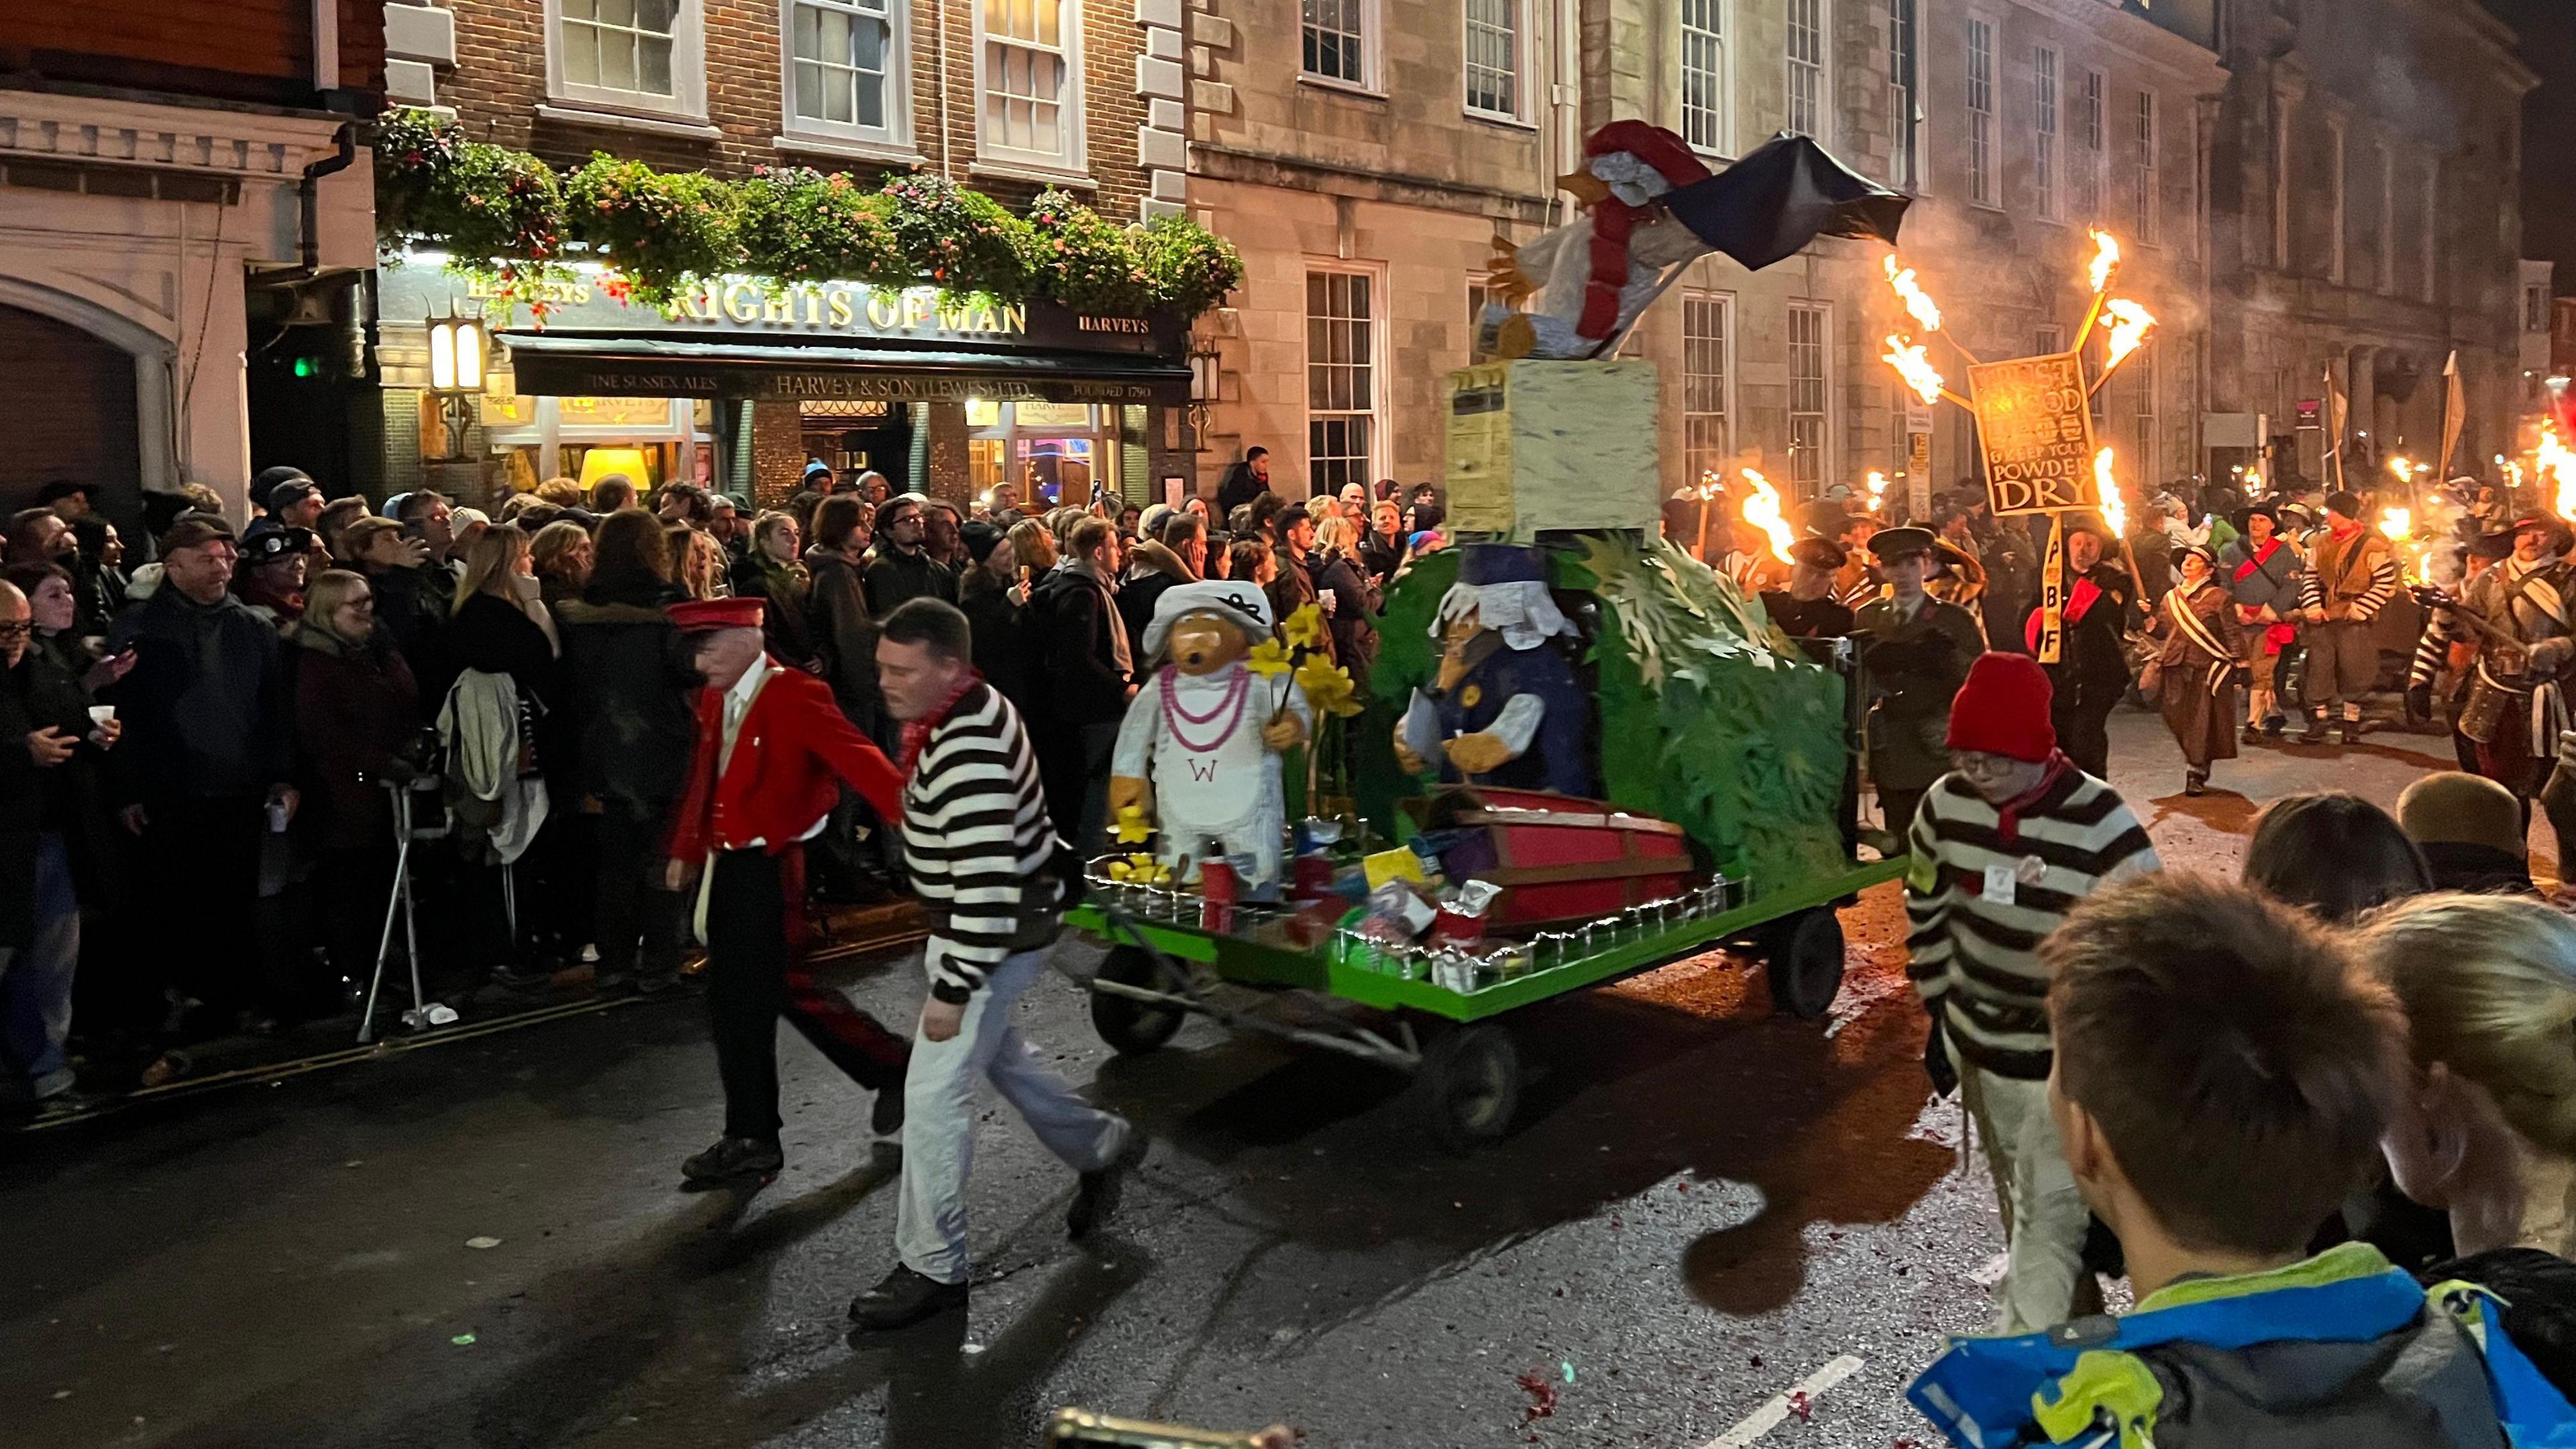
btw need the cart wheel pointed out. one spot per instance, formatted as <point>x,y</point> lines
<point>1132,1028</point>
<point>1471,1081</point>
<point>1806,963</point>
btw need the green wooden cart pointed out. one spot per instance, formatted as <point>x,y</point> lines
<point>1445,1027</point>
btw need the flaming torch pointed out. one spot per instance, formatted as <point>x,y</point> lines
<point>2130,324</point>
<point>2556,462</point>
<point>1762,510</point>
<point>2115,510</point>
<point>1877,482</point>
<point>2106,259</point>
<point>1912,365</point>
<point>1918,302</point>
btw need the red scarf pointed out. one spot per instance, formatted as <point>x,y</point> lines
<point>1612,221</point>
<point>2246,569</point>
<point>2008,814</point>
<point>916,732</point>
<point>2080,601</point>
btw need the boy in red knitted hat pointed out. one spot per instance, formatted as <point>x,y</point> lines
<point>2004,846</point>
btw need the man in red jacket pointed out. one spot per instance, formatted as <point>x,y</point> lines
<point>773,751</point>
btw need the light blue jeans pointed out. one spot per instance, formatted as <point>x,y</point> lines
<point>939,1094</point>
<point>36,982</point>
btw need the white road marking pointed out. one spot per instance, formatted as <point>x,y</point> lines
<point>1767,1418</point>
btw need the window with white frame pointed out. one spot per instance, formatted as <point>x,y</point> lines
<point>2535,309</point>
<point>2149,220</point>
<point>1806,56</point>
<point>2334,202</point>
<point>1981,113</point>
<point>1904,96</point>
<point>1708,425</point>
<point>1337,42</point>
<point>630,55</point>
<point>2142,395</point>
<point>2432,226</point>
<point>1341,379</point>
<point>1494,58</point>
<point>1704,75</point>
<point>1810,325</point>
<point>2043,131</point>
<point>1029,63</point>
<point>2387,219</point>
<point>2088,147</point>
<point>2281,181</point>
<point>846,70</point>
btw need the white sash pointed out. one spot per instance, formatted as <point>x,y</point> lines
<point>2189,623</point>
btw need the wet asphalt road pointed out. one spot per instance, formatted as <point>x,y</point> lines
<point>1706,1205</point>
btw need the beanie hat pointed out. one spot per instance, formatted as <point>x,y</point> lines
<point>2003,709</point>
<point>2453,808</point>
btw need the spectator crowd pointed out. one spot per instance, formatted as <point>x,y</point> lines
<point>246,709</point>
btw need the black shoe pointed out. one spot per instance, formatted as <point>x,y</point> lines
<point>886,1119</point>
<point>2254,734</point>
<point>668,983</point>
<point>733,1158</point>
<point>2349,732</point>
<point>904,1299</point>
<point>2195,783</point>
<point>2315,733</point>
<point>513,978</point>
<point>1097,1196</point>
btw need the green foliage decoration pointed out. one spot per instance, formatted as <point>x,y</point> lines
<point>507,217</point>
<point>661,230</point>
<point>809,226</point>
<point>1707,716</point>
<point>1087,263</point>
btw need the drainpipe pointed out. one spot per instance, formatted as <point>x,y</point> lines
<point>308,192</point>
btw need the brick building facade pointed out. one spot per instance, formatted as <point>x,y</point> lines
<point>1078,94</point>
<point>177,178</point>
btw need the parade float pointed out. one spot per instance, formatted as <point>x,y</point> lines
<point>1580,754</point>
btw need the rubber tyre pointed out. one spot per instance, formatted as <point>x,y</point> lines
<point>1471,1086</point>
<point>1806,963</point>
<point>1132,1028</point>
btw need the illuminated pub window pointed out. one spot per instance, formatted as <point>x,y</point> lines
<point>1051,452</point>
<point>536,438</point>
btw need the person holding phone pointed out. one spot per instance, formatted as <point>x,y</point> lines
<point>48,742</point>
<point>208,757</point>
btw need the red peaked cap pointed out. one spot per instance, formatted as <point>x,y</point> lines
<point>2003,709</point>
<point>1670,155</point>
<point>702,616</point>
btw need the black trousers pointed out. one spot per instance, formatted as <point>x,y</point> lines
<point>211,842</point>
<point>635,923</point>
<point>2084,733</point>
<point>1897,808</point>
<point>756,974</point>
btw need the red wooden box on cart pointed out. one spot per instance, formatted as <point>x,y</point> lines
<point>1558,858</point>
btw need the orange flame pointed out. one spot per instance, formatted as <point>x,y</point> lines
<point>2106,258</point>
<point>2397,523</point>
<point>1911,364</point>
<point>1762,510</point>
<point>2557,463</point>
<point>1918,302</point>
<point>2129,326</point>
<point>2115,510</point>
<point>1877,489</point>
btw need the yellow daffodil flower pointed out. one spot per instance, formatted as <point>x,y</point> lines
<point>1267,658</point>
<point>1305,628</point>
<point>1133,827</point>
<point>1327,685</point>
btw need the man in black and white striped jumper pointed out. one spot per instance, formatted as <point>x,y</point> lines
<point>2004,847</point>
<point>2352,575</point>
<point>988,867</point>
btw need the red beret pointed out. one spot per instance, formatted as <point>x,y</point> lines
<point>699,616</point>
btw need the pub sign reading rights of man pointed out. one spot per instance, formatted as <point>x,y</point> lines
<point>2035,430</point>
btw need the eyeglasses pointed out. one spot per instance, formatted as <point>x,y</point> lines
<point>18,630</point>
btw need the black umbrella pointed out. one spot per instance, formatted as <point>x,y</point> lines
<point>1769,205</point>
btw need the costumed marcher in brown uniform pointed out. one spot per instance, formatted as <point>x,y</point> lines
<point>2513,711</point>
<point>1916,651</point>
<point>2196,667</point>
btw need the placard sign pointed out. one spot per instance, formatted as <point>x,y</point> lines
<point>2036,434</point>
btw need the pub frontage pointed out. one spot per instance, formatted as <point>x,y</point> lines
<point>740,384</point>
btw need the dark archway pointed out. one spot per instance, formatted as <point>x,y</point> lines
<point>71,413</point>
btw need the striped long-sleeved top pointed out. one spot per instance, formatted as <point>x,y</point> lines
<point>2359,573</point>
<point>2529,600</point>
<point>975,835</point>
<point>1974,953</point>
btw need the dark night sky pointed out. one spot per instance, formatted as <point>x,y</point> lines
<point>2548,31</point>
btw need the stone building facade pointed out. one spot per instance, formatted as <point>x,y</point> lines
<point>2024,123</point>
<point>1080,94</point>
<point>2366,185</point>
<point>175,176</point>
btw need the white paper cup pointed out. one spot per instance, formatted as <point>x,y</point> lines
<point>102,715</point>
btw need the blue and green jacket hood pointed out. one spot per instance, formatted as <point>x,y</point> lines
<point>2340,1349</point>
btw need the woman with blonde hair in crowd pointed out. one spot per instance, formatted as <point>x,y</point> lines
<point>561,553</point>
<point>2487,1129</point>
<point>499,624</point>
<point>1034,553</point>
<point>702,564</point>
<point>561,492</point>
